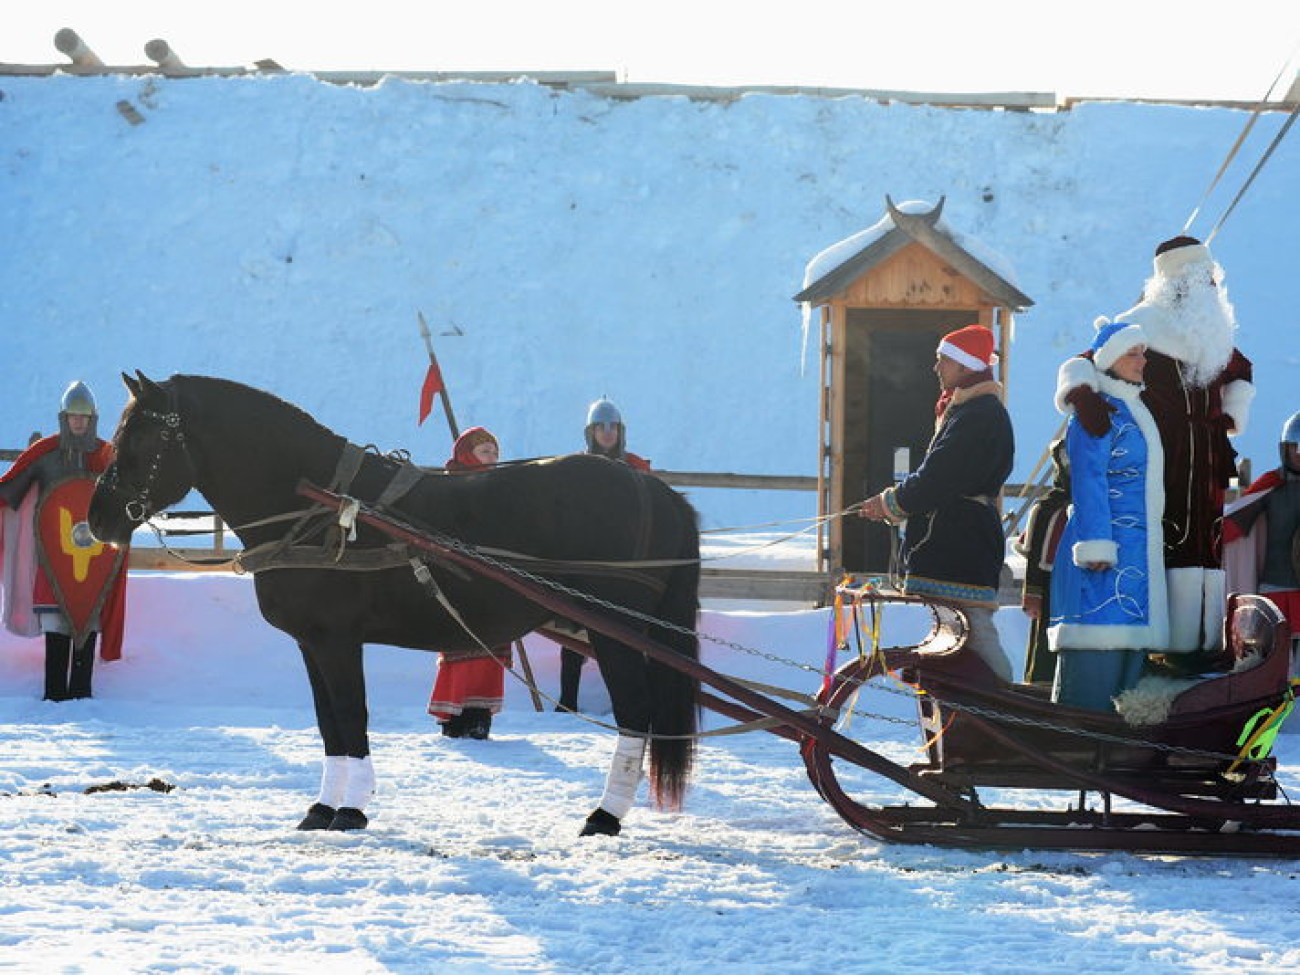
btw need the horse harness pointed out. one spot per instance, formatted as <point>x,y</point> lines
<point>334,552</point>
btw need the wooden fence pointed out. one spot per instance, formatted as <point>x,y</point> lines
<point>810,587</point>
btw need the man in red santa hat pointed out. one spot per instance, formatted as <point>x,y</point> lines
<point>952,546</point>
<point>1198,387</point>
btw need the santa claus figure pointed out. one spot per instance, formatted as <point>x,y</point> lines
<point>1198,388</point>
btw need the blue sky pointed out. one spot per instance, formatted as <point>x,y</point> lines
<point>1192,49</point>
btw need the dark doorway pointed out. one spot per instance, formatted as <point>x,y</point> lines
<point>889,404</point>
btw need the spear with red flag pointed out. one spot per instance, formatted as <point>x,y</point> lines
<point>433,384</point>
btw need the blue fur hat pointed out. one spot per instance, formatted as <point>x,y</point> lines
<point>1114,339</point>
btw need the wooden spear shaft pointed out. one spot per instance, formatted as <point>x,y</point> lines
<point>442,392</point>
<point>455,432</point>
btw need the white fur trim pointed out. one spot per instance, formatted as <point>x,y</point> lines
<point>624,776</point>
<point>333,781</point>
<point>1095,550</point>
<point>1103,636</point>
<point>1072,374</point>
<point>963,357</point>
<point>1180,259</point>
<point>1196,608</point>
<point>1148,702</point>
<point>1215,606</point>
<point>361,783</point>
<point>1237,397</point>
<point>1117,345</point>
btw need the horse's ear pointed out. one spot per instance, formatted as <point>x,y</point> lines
<point>144,387</point>
<point>132,386</point>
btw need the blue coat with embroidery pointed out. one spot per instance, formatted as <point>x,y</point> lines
<point>1117,495</point>
<point>953,547</point>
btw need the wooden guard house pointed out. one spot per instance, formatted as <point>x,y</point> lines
<point>886,296</point>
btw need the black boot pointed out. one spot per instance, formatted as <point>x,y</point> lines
<point>478,723</point>
<point>454,727</point>
<point>83,666</point>
<point>570,676</point>
<point>58,647</point>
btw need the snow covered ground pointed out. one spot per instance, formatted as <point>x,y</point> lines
<point>472,862</point>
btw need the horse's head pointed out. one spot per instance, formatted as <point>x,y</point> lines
<point>152,468</point>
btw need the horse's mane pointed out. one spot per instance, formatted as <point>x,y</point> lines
<point>238,402</point>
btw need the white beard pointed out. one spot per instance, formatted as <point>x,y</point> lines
<point>1188,319</point>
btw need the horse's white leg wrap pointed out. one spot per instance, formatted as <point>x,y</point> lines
<point>360,784</point>
<point>333,781</point>
<point>624,776</point>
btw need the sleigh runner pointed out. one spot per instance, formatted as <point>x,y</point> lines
<point>1182,785</point>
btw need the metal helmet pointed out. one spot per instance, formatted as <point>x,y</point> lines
<point>603,411</point>
<point>78,398</point>
<point>1290,435</point>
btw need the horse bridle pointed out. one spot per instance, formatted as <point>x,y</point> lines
<point>138,509</point>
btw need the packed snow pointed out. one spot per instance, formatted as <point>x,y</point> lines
<point>284,233</point>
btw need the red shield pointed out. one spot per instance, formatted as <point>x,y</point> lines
<point>80,568</point>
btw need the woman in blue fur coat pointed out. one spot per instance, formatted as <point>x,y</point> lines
<point>1108,600</point>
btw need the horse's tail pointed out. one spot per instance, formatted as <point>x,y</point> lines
<point>676,708</point>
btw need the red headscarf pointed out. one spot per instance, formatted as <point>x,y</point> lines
<point>462,454</point>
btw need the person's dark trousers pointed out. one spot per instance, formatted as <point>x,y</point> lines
<point>58,647</point>
<point>570,676</point>
<point>83,665</point>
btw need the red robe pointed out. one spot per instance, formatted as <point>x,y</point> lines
<point>112,616</point>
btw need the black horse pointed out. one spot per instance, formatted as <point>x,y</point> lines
<point>245,451</point>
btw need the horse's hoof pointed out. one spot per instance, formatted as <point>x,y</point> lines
<point>319,816</point>
<point>349,818</point>
<point>601,823</point>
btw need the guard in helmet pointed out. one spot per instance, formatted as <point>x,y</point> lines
<point>1261,533</point>
<point>57,578</point>
<point>606,437</point>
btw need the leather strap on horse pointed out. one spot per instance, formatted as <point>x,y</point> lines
<point>263,559</point>
<point>407,476</point>
<point>287,553</point>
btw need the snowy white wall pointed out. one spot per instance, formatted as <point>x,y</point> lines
<point>283,232</point>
